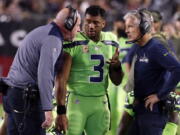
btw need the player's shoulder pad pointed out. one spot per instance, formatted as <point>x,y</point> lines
<point>80,39</point>
<point>110,38</point>
<point>75,43</point>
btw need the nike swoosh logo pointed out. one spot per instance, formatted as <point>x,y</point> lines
<point>165,54</point>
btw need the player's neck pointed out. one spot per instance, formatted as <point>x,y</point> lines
<point>97,38</point>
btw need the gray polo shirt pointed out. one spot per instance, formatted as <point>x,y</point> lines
<point>36,61</point>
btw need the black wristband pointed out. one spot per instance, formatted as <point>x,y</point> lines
<point>61,109</point>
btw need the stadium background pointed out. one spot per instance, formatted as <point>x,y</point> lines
<point>18,17</point>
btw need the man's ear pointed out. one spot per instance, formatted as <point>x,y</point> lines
<point>103,23</point>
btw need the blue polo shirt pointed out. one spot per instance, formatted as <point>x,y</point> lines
<point>153,62</point>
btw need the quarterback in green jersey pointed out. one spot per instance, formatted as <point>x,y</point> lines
<point>93,57</point>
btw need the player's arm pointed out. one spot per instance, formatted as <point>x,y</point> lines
<point>62,78</point>
<point>125,123</point>
<point>128,115</point>
<point>115,70</point>
<point>61,81</point>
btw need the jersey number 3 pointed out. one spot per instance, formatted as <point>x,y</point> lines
<point>98,68</point>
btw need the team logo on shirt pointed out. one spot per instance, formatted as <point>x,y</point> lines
<point>77,101</point>
<point>166,54</point>
<point>85,49</point>
<point>96,48</point>
<point>143,59</point>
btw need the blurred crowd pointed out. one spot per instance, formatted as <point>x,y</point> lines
<point>20,9</point>
<point>44,11</point>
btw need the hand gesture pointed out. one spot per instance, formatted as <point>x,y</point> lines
<point>115,59</point>
<point>61,123</point>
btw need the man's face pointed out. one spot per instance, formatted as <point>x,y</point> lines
<point>156,27</point>
<point>132,28</point>
<point>93,25</point>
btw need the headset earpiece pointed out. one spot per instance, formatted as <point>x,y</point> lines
<point>71,20</point>
<point>144,25</point>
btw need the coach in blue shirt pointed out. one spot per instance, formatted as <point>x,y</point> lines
<point>28,101</point>
<point>151,85</point>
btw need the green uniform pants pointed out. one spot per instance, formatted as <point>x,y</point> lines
<point>89,114</point>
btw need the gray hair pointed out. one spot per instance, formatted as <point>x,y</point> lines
<point>136,14</point>
<point>133,14</point>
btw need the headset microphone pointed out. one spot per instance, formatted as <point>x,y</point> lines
<point>134,41</point>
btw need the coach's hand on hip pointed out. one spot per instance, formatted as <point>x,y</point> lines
<point>151,100</point>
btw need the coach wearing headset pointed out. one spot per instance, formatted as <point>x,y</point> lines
<point>28,101</point>
<point>151,85</point>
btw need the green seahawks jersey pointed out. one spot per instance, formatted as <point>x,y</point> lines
<point>124,50</point>
<point>89,70</point>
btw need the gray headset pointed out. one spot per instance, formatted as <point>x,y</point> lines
<point>72,18</point>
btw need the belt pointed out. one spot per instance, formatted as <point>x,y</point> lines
<point>138,101</point>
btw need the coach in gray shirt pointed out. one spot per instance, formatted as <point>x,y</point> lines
<point>28,101</point>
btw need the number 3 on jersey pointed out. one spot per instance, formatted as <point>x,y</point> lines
<point>98,68</point>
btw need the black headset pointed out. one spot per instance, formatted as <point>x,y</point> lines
<point>144,25</point>
<point>72,18</point>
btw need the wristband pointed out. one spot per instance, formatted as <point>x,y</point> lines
<point>61,109</point>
